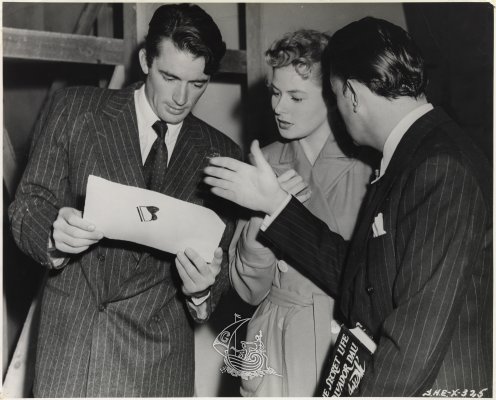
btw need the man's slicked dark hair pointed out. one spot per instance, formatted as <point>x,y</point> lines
<point>380,55</point>
<point>191,29</point>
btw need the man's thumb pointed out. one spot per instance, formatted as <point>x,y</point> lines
<point>258,158</point>
<point>218,253</point>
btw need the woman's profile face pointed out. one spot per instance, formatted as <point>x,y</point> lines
<point>298,105</point>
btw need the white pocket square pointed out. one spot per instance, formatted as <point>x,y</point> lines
<point>378,226</point>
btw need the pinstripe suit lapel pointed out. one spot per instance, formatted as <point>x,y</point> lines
<point>187,159</point>
<point>118,139</point>
<point>404,154</point>
<point>119,154</point>
<point>402,157</point>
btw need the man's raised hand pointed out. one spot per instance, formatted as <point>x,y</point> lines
<point>252,186</point>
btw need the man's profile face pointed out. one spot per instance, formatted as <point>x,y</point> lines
<point>175,81</point>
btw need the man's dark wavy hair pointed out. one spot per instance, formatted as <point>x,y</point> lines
<point>380,55</point>
<point>191,29</point>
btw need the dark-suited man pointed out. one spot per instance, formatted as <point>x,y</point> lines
<point>418,271</point>
<point>114,322</point>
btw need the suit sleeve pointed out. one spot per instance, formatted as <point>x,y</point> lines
<point>309,245</point>
<point>440,230</point>
<point>228,213</point>
<point>44,185</point>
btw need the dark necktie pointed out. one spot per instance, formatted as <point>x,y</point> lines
<point>156,163</point>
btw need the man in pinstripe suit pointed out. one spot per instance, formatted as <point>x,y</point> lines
<point>115,318</point>
<point>418,271</point>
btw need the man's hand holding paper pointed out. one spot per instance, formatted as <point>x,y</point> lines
<point>142,216</point>
<point>71,233</point>
<point>197,275</point>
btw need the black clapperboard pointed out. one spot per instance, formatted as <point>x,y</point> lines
<point>346,366</point>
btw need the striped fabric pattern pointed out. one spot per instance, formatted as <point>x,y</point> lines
<point>114,321</point>
<point>424,288</point>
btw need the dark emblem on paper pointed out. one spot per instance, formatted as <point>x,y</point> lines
<point>147,213</point>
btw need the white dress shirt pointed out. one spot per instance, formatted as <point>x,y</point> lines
<point>146,117</point>
<point>397,134</point>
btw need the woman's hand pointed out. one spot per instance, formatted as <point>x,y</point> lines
<point>294,184</point>
<point>253,229</point>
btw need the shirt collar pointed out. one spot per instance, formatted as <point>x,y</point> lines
<point>397,134</point>
<point>147,117</point>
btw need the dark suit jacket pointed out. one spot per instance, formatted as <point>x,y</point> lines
<point>114,321</point>
<point>424,288</point>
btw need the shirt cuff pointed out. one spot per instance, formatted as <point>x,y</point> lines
<point>270,218</point>
<point>56,258</point>
<point>199,300</point>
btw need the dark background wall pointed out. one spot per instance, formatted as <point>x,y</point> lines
<point>457,40</point>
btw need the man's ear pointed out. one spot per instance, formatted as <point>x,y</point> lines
<point>143,61</point>
<point>352,89</point>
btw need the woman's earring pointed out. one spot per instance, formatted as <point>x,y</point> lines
<point>355,105</point>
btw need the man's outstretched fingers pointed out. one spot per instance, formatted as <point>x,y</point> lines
<point>226,162</point>
<point>224,193</point>
<point>220,173</point>
<point>217,182</point>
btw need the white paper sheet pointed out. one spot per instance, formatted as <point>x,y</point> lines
<point>143,216</point>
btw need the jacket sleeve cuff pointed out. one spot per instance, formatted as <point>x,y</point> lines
<point>56,259</point>
<point>270,218</point>
<point>199,300</point>
<point>200,313</point>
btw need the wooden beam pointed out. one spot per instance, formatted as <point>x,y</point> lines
<point>104,28</point>
<point>234,62</point>
<point>254,73</point>
<point>130,41</point>
<point>52,46</point>
<point>83,26</point>
<point>254,62</point>
<point>87,18</point>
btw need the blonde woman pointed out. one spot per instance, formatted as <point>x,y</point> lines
<point>294,316</point>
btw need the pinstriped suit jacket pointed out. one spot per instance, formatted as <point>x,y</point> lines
<point>424,288</point>
<point>113,320</point>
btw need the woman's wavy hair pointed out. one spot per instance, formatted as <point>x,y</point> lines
<point>191,29</point>
<point>302,49</point>
<point>380,55</point>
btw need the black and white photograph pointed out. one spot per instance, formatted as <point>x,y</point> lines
<point>286,199</point>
